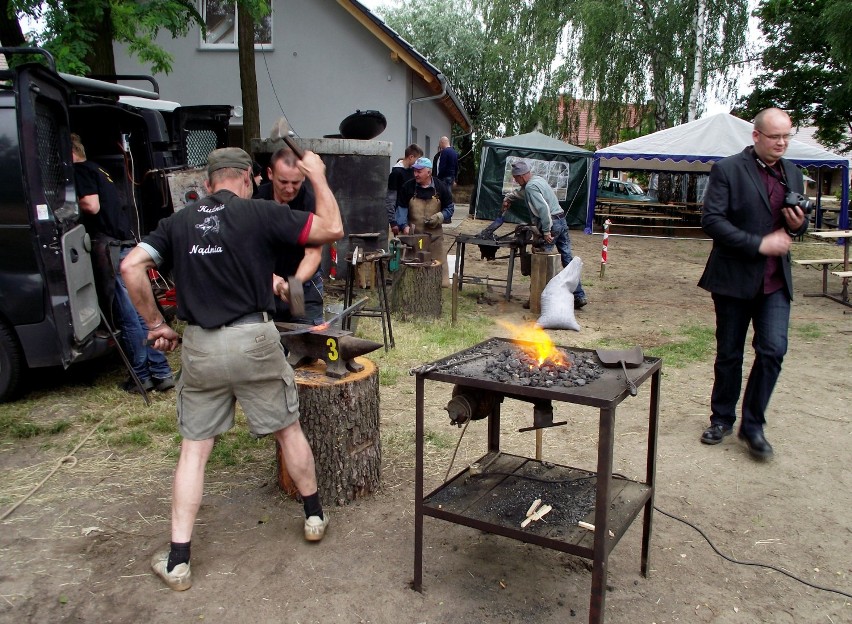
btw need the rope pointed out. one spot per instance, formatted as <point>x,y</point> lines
<point>69,459</point>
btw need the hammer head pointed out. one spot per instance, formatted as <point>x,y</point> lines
<point>296,299</point>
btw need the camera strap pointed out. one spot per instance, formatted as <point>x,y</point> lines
<point>771,171</point>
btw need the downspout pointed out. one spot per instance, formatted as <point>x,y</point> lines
<point>443,92</point>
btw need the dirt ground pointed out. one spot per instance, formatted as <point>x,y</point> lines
<point>78,551</point>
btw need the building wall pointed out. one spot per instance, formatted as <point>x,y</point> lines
<point>323,65</point>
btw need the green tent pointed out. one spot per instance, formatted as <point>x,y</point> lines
<point>565,166</point>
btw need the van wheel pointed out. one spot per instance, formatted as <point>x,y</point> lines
<point>11,364</point>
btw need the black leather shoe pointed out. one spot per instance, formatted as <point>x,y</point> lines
<point>580,302</point>
<point>757,444</point>
<point>715,434</point>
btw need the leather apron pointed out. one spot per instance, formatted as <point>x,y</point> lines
<point>418,211</point>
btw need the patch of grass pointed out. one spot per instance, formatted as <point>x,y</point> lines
<point>134,437</point>
<point>24,430</point>
<point>389,376</point>
<point>808,331</point>
<point>696,345</point>
<point>58,427</point>
<point>163,424</point>
<point>236,447</point>
<point>439,439</point>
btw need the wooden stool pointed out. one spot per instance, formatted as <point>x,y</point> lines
<point>340,419</point>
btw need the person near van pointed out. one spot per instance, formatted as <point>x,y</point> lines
<point>547,216</point>
<point>424,204</point>
<point>108,225</point>
<point>222,250</point>
<point>748,274</point>
<point>399,175</point>
<point>287,185</point>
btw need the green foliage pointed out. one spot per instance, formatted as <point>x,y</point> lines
<point>807,66</point>
<point>642,53</point>
<point>237,446</point>
<point>71,28</point>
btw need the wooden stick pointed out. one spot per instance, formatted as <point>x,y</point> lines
<point>533,507</point>
<point>586,525</point>
<point>538,515</point>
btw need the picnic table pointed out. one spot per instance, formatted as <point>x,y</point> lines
<point>844,274</point>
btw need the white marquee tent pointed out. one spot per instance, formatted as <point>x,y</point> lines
<point>695,146</point>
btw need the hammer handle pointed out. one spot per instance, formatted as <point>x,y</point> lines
<point>300,153</point>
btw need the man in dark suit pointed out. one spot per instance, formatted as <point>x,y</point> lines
<point>752,223</point>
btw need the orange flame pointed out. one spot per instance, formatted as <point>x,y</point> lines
<point>533,341</point>
<point>320,328</point>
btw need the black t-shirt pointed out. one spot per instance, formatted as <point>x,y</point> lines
<point>222,252</point>
<point>112,219</point>
<point>399,176</point>
<point>291,255</point>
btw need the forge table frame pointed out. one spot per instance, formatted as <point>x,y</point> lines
<point>514,247</point>
<point>627,500</point>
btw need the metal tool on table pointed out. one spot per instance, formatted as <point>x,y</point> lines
<point>395,250</point>
<point>626,358</point>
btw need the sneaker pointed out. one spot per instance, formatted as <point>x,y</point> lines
<point>130,386</point>
<point>315,527</point>
<point>164,384</point>
<point>179,579</point>
<point>580,302</point>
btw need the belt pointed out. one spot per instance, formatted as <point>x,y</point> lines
<point>557,215</point>
<point>248,319</point>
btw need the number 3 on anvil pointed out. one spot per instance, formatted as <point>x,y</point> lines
<point>332,349</point>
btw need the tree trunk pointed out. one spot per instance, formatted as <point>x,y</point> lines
<point>101,58</point>
<point>248,76</point>
<point>416,292</point>
<point>340,418</point>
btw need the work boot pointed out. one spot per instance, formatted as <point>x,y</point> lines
<point>580,302</point>
<point>130,385</point>
<point>163,384</point>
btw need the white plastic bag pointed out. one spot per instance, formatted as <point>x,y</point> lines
<point>557,298</point>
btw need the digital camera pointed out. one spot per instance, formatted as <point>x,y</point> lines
<point>797,199</point>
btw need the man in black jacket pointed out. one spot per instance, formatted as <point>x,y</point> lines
<point>752,223</point>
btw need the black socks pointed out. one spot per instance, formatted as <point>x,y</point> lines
<point>177,555</point>
<point>313,507</point>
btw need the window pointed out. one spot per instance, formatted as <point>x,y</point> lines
<point>220,18</point>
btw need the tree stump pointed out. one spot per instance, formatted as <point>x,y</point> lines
<point>543,267</point>
<point>416,292</point>
<point>340,418</point>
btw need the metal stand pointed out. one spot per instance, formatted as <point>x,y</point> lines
<point>383,310</point>
<point>617,501</point>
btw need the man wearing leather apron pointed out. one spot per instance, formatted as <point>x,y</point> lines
<point>424,204</point>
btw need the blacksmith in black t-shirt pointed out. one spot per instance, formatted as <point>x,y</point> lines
<point>222,251</point>
<point>287,185</point>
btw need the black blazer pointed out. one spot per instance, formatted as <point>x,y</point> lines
<point>737,215</point>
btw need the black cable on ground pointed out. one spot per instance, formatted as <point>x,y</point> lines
<point>678,519</point>
<point>751,563</point>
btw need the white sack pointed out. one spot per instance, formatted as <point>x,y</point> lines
<point>557,298</point>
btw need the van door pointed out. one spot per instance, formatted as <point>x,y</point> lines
<point>62,248</point>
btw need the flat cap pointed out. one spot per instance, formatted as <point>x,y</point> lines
<point>228,157</point>
<point>422,163</point>
<point>520,167</point>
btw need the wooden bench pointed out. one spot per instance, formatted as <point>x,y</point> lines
<point>825,263</point>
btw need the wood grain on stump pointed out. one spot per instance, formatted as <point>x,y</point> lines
<point>416,291</point>
<point>340,418</point>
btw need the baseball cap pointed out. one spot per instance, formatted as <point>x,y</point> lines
<point>228,157</point>
<point>422,163</point>
<point>520,167</point>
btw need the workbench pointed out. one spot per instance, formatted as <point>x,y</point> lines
<point>513,246</point>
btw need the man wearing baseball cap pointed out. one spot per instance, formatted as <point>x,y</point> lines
<point>222,250</point>
<point>547,215</point>
<point>423,205</point>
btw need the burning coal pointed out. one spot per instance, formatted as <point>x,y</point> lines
<point>515,366</point>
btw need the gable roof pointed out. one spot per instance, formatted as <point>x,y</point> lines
<point>538,142</point>
<point>696,145</point>
<point>403,51</point>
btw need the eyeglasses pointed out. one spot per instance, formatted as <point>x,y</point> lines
<point>776,137</point>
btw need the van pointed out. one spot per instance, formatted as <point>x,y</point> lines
<point>49,310</point>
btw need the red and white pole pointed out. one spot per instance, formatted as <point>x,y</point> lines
<point>605,247</point>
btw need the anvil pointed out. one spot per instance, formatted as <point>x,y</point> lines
<point>338,348</point>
